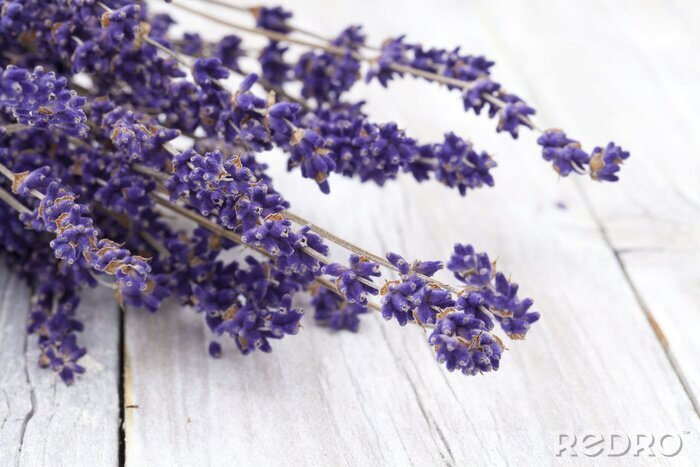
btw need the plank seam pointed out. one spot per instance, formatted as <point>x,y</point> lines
<point>32,394</point>
<point>658,332</point>
<point>120,390</point>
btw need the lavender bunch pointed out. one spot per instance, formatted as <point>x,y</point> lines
<point>471,75</point>
<point>91,180</point>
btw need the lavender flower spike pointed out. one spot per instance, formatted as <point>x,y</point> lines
<point>42,99</point>
<point>95,189</point>
<point>352,282</point>
<point>605,163</point>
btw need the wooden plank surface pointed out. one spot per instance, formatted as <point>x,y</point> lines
<point>646,99</point>
<point>42,421</point>
<point>593,365</point>
<point>612,273</point>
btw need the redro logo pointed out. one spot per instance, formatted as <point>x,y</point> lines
<point>619,445</point>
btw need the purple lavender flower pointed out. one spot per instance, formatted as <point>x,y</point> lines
<point>146,97</point>
<point>134,137</point>
<point>358,147</point>
<point>432,300</point>
<point>471,267</point>
<point>352,281</point>
<point>474,304</point>
<point>497,293</point>
<point>459,165</point>
<point>414,297</point>
<point>473,97</point>
<point>208,70</point>
<point>273,235</point>
<point>453,65</point>
<point>214,349</point>
<point>605,163</point>
<point>252,329</point>
<point>425,268</point>
<point>274,67</point>
<point>28,181</point>
<point>183,112</point>
<point>330,309</point>
<point>258,204</point>
<point>565,154</point>
<point>42,100</point>
<point>63,359</point>
<point>465,67</point>
<point>160,24</point>
<point>308,150</point>
<point>76,240</point>
<point>229,51</point>
<point>463,343</point>
<point>326,76</point>
<point>300,261</point>
<point>393,52</point>
<point>513,115</point>
<point>193,44</point>
<point>511,313</point>
<point>272,18</point>
<point>122,24</point>
<point>400,299</point>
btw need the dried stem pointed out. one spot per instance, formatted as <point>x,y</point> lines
<point>322,232</point>
<point>252,10</point>
<point>342,51</point>
<point>10,175</point>
<point>319,230</point>
<point>226,233</point>
<point>13,202</point>
<point>274,35</point>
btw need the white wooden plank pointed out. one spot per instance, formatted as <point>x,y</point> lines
<point>44,422</point>
<point>593,365</point>
<point>632,68</point>
<point>17,398</point>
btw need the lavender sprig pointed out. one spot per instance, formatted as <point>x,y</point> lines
<point>92,181</point>
<point>469,74</point>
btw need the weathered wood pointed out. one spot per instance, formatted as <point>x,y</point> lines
<point>637,85</point>
<point>42,421</point>
<point>616,260</point>
<point>593,365</point>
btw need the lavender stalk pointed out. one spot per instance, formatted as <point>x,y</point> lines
<point>92,96</point>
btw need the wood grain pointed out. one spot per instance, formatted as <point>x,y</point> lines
<point>652,219</point>
<point>594,364</point>
<point>42,421</point>
<point>612,268</point>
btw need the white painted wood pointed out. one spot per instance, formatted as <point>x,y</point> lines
<point>42,421</point>
<point>593,365</point>
<point>645,97</point>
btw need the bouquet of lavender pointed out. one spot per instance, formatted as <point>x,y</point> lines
<point>97,97</point>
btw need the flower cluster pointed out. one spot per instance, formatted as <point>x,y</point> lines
<point>90,183</point>
<point>459,165</point>
<point>77,238</point>
<point>462,342</point>
<point>325,76</point>
<point>476,270</point>
<point>42,99</point>
<point>256,309</point>
<point>273,65</point>
<point>272,18</point>
<point>326,73</point>
<point>470,71</point>
<point>330,309</point>
<point>415,296</point>
<point>354,281</point>
<point>134,137</point>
